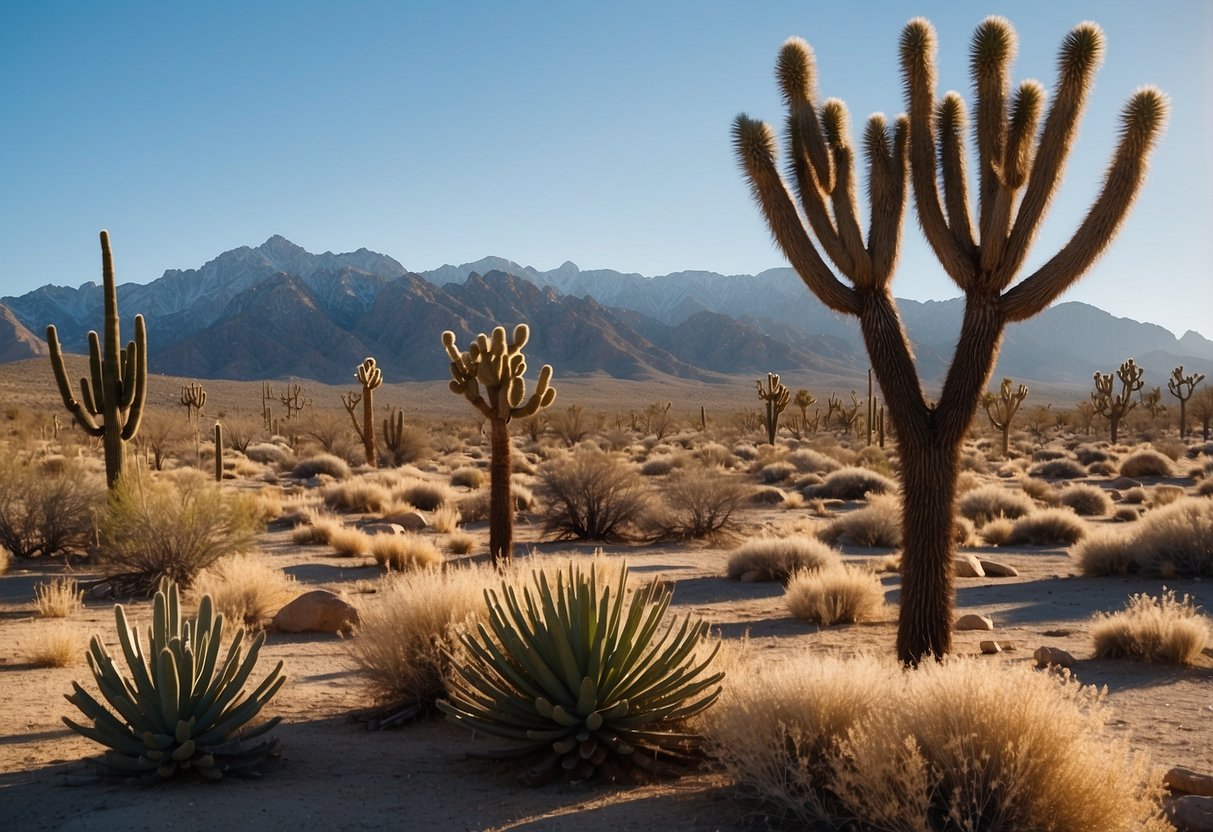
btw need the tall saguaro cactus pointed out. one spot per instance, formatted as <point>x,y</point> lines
<point>1018,170</point>
<point>116,387</point>
<point>776,395</point>
<point>1114,406</point>
<point>193,399</point>
<point>1001,409</point>
<point>497,365</point>
<point>370,377</point>
<point>1182,387</point>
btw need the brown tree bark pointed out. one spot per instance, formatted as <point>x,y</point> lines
<point>501,509</point>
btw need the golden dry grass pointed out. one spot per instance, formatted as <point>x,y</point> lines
<point>460,543</point>
<point>245,589</point>
<point>876,524</point>
<point>1174,540</point>
<point>776,558</point>
<point>316,529</point>
<point>59,645</point>
<point>59,598</point>
<point>1164,629</point>
<point>404,552</point>
<point>842,594</point>
<point>445,519</point>
<point>1047,527</point>
<point>985,503</point>
<point>350,543</point>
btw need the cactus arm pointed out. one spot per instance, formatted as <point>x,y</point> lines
<point>990,56</point>
<point>86,398</point>
<point>951,119</point>
<point>82,416</point>
<point>136,385</point>
<point>887,181</point>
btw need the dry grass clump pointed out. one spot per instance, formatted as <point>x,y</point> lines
<point>983,504</point>
<point>838,595</point>
<point>316,529</point>
<point>1058,469</point>
<point>851,483</point>
<point>996,532</point>
<point>1086,500</point>
<point>357,495</point>
<point>426,496</point>
<point>876,524</point>
<point>59,645</point>
<point>1146,463</point>
<point>776,558</point>
<point>445,519</point>
<point>714,455</point>
<point>810,461</point>
<point>59,598</point>
<point>407,634</point>
<point>774,472</point>
<point>1134,496</point>
<point>698,504</point>
<point>350,543</point>
<point>245,589</point>
<point>1173,540</point>
<point>1164,495</point>
<point>1205,489</point>
<point>268,453</point>
<point>468,477</point>
<point>1126,514</point>
<point>45,514</point>
<point>836,744</point>
<point>328,464</point>
<point>1090,454</point>
<point>460,543</point>
<point>404,552</point>
<point>1048,527</point>
<point>1164,630</point>
<point>6,560</point>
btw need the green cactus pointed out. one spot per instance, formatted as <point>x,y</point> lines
<point>370,377</point>
<point>1001,409</point>
<point>1182,387</point>
<point>181,709</point>
<point>1112,406</point>
<point>498,365</point>
<point>982,237</point>
<point>193,398</point>
<point>578,675</point>
<point>117,386</point>
<point>218,452</point>
<point>393,434</point>
<point>776,395</point>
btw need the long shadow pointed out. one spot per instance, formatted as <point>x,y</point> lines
<point>763,628</point>
<point>710,589</point>
<point>324,573</point>
<point>1122,674</point>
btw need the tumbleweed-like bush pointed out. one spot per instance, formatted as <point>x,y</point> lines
<point>1176,539</point>
<point>1047,527</point>
<point>46,513</point>
<point>983,504</point>
<point>851,483</point>
<point>698,504</point>
<point>1086,500</point>
<point>404,552</point>
<point>1057,469</point>
<point>1164,629</point>
<point>1146,463</point>
<point>183,707</point>
<point>591,495</point>
<point>245,589</point>
<point>876,524</point>
<point>776,558</point>
<point>586,678</point>
<point>58,598</point>
<point>837,595</point>
<point>328,464</point>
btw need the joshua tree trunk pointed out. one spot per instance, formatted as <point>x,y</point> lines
<point>501,509</point>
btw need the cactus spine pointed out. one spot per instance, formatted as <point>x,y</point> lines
<point>218,452</point>
<point>193,398</point>
<point>370,377</point>
<point>983,251</point>
<point>1177,385</point>
<point>1115,406</point>
<point>776,395</point>
<point>1001,409</point>
<point>498,366</point>
<point>117,387</point>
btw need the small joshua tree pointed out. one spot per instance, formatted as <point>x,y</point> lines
<point>1018,170</point>
<point>498,365</point>
<point>804,400</point>
<point>1182,387</point>
<point>1001,409</point>
<point>1115,406</point>
<point>776,396</point>
<point>370,377</point>
<point>116,388</point>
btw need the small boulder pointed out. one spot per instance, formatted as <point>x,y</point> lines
<point>1187,781</point>
<point>994,569</point>
<point>991,647</point>
<point>1046,656</point>
<point>383,528</point>
<point>412,521</point>
<point>1191,813</point>
<point>972,621</point>
<point>318,611</point>
<point>968,566</point>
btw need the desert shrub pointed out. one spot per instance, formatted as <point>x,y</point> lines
<point>170,528</point>
<point>1101,469</point>
<point>356,495</point>
<point>698,504</point>
<point>59,598</point>
<point>1173,540</point>
<point>1049,454</point>
<point>328,464</point>
<point>1205,489</point>
<point>1173,449</point>
<point>659,466</point>
<point>45,514</point>
<point>591,495</point>
<point>414,445</point>
<point>837,744</point>
<point>767,495</point>
<point>974,462</point>
<point>407,635</point>
<point>745,452</point>
<point>245,590</point>
<point>350,543</point>
<point>1146,463</point>
<point>460,543</point>
<point>468,477</point>
<point>981,505</point>
<point>775,472</point>
<point>1149,629</point>
<point>1126,514</point>
<point>1048,527</point>
<point>876,524</point>
<point>1058,469</point>
<point>714,455</point>
<point>445,519</point>
<point>404,552</point>
<point>426,496</point>
<point>1090,454</point>
<point>1134,496</point>
<point>776,558</point>
<point>1164,495</point>
<point>1038,490</point>
<point>59,645</point>
<point>316,529</point>
<point>1086,500</point>
<point>996,532</point>
<point>810,461</point>
<point>838,595</point>
<point>851,483</point>
<point>268,453</point>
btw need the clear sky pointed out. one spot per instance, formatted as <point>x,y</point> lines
<point>441,132</point>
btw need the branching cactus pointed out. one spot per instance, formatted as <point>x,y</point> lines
<point>804,400</point>
<point>394,436</point>
<point>1182,387</point>
<point>116,387</point>
<point>490,376</point>
<point>294,400</point>
<point>776,396</point>
<point>981,238</point>
<point>370,377</point>
<point>1001,409</point>
<point>193,399</point>
<point>1114,406</point>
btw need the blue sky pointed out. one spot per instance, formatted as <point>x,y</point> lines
<point>441,132</point>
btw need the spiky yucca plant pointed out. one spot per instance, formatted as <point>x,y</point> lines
<point>182,709</point>
<point>578,675</point>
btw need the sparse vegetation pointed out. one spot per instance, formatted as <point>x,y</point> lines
<point>59,598</point>
<point>776,558</point>
<point>836,595</point>
<point>245,590</point>
<point>1146,463</point>
<point>1173,540</point>
<point>46,513</point>
<point>404,552</point>
<point>591,495</point>
<point>1149,629</point>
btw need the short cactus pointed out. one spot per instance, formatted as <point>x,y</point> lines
<point>1115,406</point>
<point>776,395</point>
<point>1001,409</point>
<point>218,452</point>
<point>393,434</point>
<point>498,365</point>
<point>181,710</point>
<point>370,377</point>
<point>1182,387</point>
<point>117,386</point>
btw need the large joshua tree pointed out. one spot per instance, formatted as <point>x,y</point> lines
<point>1018,169</point>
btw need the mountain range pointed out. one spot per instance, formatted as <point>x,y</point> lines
<point>278,311</point>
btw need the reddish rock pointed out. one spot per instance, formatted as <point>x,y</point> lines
<point>318,611</point>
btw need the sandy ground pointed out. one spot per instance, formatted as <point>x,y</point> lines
<point>334,774</point>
